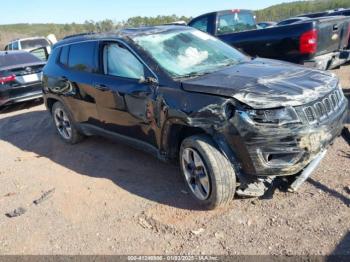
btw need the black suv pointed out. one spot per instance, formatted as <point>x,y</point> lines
<point>182,94</point>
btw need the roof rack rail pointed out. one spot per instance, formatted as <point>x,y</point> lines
<point>81,34</point>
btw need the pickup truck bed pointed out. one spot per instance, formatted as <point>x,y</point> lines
<point>319,42</point>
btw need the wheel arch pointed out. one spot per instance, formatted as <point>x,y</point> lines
<point>174,132</point>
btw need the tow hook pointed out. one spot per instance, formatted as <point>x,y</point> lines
<point>306,172</point>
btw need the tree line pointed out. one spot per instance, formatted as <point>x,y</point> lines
<point>286,10</point>
<point>273,13</point>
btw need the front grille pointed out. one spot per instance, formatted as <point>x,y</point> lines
<point>322,109</point>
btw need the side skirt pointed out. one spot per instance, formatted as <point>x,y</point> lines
<point>91,130</point>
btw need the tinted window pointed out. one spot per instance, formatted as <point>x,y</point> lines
<point>34,43</point>
<point>64,55</point>
<point>15,58</point>
<point>10,46</point>
<point>201,24</point>
<point>82,57</point>
<point>118,61</point>
<point>236,22</point>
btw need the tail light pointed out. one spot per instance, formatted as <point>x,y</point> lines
<point>7,79</point>
<point>308,42</point>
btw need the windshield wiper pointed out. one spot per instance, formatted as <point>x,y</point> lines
<point>193,74</point>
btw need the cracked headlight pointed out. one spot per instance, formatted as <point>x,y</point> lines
<point>280,116</point>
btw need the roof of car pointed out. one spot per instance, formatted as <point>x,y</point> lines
<point>120,34</point>
<point>28,38</point>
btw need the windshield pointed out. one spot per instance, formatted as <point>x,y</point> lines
<point>34,43</point>
<point>188,52</point>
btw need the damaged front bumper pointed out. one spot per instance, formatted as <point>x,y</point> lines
<point>265,150</point>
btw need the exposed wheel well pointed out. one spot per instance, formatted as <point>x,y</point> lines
<point>50,102</point>
<point>177,134</point>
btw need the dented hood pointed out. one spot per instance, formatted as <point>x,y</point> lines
<point>265,83</point>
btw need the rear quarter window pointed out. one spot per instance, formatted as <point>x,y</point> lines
<point>82,57</point>
<point>11,59</point>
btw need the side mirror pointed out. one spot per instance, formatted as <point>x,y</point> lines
<point>148,80</point>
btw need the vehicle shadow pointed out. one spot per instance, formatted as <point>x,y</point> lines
<point>330,191</point>
<point>130,169</point>
<point>20,106</point>
<point>342,251</point>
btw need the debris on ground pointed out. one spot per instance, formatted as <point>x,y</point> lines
<point>197,232</point>
<point>16,213</point>
<point>46,195</point>
<point>144,223</point>
<point>10,194</point>
<point>219,235</point>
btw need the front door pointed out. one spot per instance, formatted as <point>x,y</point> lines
<point>124,100</point>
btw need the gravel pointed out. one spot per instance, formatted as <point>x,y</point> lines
<point>112,199</point>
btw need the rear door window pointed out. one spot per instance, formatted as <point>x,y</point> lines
<point>82,57</point>
<point>235,22</point>
<point>119,61</point>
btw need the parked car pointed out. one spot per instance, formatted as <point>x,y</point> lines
<point>20,77</point>
<point>319,43</point>
<point>341,12</point>
<point>182,94</point>
<point>31,44</point>
<point>336,12</point>
<point>266,24</point>
<point>292,20</point>
<point>317,14</point>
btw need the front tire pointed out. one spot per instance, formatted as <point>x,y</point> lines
<point>65,125</point>
<point>208,173</point>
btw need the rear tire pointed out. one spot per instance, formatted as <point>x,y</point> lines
<point>208,173</point>
<point>65,126</point>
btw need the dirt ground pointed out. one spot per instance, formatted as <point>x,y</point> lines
<point>111,199</point>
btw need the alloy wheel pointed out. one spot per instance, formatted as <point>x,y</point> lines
<point>195,173</point>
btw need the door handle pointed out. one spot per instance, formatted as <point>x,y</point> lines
<point>101,87</point>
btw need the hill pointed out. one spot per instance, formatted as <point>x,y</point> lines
<point>285,10</point>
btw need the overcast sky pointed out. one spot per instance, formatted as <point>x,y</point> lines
<point>67,11</point>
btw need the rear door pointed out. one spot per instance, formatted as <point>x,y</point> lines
<point>125,102</point>
<point>73,80</point>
